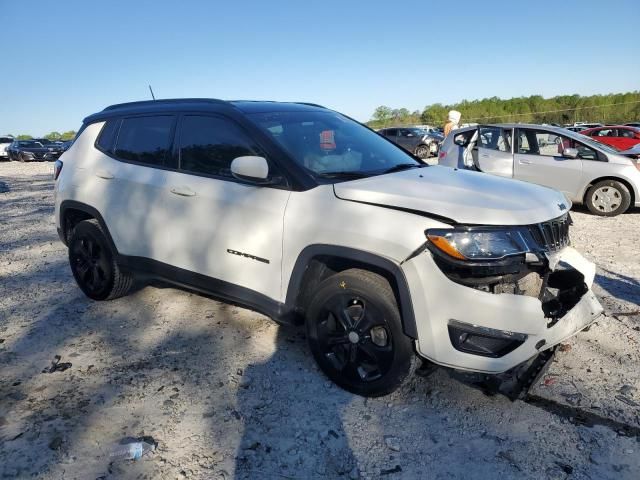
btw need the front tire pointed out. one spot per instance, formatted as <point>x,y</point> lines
<point>93,263</point>
<point>608,198</point>
<point>355,334</point>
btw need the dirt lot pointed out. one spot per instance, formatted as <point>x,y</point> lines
<point>229,394</point>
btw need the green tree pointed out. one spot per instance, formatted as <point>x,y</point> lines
<point>70,135</point>
<point>53,136</point>
<point>382,114</point>
<point>24,137</point>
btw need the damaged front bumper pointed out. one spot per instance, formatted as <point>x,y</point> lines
<point>494,323</point>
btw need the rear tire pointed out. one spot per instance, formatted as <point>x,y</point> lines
<point>422,151</point>
<point>93,263</point>
<point>355,334</point>
<point>608,198</point>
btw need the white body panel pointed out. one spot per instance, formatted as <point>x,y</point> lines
<point>218,216</point>
<point>437,300</point>
<point>466,197</point>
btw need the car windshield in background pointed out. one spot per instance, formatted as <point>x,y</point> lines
<point>6,140</point>
<point>29,144</point>
<point>331,145</point>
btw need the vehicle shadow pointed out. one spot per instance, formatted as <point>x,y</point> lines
<point>281,437</point>
<point>620,286</point>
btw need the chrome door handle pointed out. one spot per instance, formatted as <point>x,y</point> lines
<point>104,174</point>
<point>525,162</point>
<point>183,191</point>
<point>484,155</point>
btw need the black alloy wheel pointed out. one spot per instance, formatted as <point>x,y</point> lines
<point>355,333</point>
<point>355,338</point>
<point>90,264</point>
<point>93,265</point>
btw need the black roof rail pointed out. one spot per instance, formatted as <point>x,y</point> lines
<point>169,101</point>
<point>311,104</point>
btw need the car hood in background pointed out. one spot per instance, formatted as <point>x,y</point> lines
<point>462,196</point>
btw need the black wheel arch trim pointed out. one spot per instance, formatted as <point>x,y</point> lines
<point>311,252</point>
<point>89,210</point>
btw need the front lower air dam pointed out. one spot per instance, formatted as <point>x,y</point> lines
<point>483,341</point>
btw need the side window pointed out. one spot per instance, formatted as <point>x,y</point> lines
<point>540,142</point>
<point>605,132</point>
<point>584,152</point>
<point>494,138</point>
<point>107,136</point>
<point>145,139</point>
<point>463,139</point>
<point>625,133</point>
<point>391,132</point>
<point>208,145</point>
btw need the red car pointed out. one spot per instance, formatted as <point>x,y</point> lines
<point>621,137</point>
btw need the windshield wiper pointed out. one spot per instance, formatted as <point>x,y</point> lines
<point>342,174</point>
<point>403,166</point>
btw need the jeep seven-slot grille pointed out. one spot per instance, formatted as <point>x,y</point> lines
<point>552,235</point>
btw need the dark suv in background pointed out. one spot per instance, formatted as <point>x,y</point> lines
<point>34,150</point>
<point>419,142</point>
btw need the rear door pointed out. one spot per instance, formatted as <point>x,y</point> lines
<point>215,224</point>
<point>538,159</point>
<point>126,183</point>
<point>494,150</point>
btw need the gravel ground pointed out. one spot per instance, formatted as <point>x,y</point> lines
<point>227,393</point>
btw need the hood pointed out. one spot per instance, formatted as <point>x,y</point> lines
<point>460,195</point>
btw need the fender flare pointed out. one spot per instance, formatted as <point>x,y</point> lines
<point>305,257</point>
<point>89,210</point>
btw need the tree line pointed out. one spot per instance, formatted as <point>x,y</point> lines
<point>70,135</point>
<point>561,109</point>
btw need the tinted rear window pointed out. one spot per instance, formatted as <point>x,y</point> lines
<point>6,139</point>
<point>145,139</point>
<point>108,134</point>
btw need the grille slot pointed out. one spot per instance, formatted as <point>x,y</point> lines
<point>552,235</point>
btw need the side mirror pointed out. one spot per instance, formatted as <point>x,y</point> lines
<point>570,153</point>
<point>250,168</point>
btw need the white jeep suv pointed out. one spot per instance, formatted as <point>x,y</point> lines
<point>305,215</point>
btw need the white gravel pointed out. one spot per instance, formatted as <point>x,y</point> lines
<point>229,394</point>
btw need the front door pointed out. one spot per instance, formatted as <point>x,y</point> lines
<point>217,225</point>
<point>494,152</point>
<point>538,159</point>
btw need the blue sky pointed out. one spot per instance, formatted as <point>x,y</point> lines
<point>65,60</point>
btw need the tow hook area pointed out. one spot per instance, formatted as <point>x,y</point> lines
<point>514,383</point>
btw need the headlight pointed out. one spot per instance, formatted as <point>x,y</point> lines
<point>478,243</point>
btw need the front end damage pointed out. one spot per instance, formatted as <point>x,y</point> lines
<point>499,320</point>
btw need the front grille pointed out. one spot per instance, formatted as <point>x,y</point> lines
<point>552,235</point>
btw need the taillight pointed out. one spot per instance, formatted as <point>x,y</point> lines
<point>57,168</point>
<point>442,154</point>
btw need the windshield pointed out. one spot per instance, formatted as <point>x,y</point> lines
<point>29,144</point>
<point>327,143</point>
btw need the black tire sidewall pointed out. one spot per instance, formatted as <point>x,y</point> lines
<point>88,228</point>
<point>624,191</point>
<point>370,291</point>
